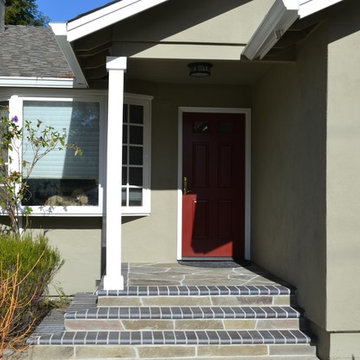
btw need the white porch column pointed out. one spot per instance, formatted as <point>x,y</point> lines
<point>113,279</point>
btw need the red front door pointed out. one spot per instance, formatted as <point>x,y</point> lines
<point>214,171</point>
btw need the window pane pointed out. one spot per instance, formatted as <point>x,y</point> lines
<point>124,176</point>
<point>200,127</point>
<point>135,197</point>
<point>136,114</point>
<point>123,197</point>
<point>136,155</point>
<point>136,176</point>
<point>60,173</point>
<point>125,113</point>
<point>226,127</point>
<point>125,134</point>
<point>61,192</point>
<point>124,155</point>
<point>136,135</point>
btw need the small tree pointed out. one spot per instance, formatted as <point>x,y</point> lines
<point>24,12</point>
<point>15,172</point>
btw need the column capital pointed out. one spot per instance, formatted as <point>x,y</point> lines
<point>116,63</point>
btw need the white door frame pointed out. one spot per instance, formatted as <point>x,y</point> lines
<point>247,113</point>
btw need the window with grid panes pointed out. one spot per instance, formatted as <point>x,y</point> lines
<point>135,171</point>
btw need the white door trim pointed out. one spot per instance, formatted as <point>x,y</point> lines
<point>247,113</point>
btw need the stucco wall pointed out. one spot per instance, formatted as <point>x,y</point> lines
<point>79,243</point>
<point>154,238</point>
<point>343,170</point>
<point>288,174</point>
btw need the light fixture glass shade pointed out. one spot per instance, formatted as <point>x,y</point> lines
<point>200,69</point>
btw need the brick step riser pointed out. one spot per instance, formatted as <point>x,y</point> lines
<point>233,352</point>
<point>179,324</point>
<point>217,300</point>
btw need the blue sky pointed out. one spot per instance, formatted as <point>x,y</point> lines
<point>62,10</point>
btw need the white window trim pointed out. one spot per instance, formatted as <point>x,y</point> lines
<point>76,211</point>
<point>145,209</point>
<point>16,104</point>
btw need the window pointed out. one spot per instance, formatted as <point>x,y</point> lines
<point>64,184</point>
<point>136,155</point>
<point>60,178</point>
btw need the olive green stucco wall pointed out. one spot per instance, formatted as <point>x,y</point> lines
<point>306,176</point>
<point>79,243</point>
<point>343,181</point>
<point>154,238</point>
<point>289,174</point>
<point>343,169</point>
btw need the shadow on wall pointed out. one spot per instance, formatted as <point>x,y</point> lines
<point>128,37</point>
<point>349,24</point>
<point>65,223</point>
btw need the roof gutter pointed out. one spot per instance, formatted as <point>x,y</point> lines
<point>36,82</point>
<point>277,21</point>
<point>60,31</point>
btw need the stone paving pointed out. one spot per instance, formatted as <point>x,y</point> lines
<point>210,274</point>
<point>249,317</point>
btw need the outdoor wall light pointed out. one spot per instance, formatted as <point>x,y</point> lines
<point>200,69</point>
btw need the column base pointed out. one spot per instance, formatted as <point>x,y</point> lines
<point>113,282</point>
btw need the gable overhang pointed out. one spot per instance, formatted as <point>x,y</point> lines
<point>277,21</point>
<point>106,16</point>
<point>60,32</point>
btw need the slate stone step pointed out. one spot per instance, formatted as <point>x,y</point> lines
<point>177,312</point>
<point>196,296</point>
<point>188,337</point>
<point>180,318</point>
<point>200,290</point>
<point>178,352</point>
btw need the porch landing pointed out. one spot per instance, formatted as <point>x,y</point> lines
<point>195,273</point>
<point>173,311</point>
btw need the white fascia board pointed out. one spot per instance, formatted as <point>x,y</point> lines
<point>106,16</point>
<point>277,21</point>
<point>36,82</point>
<point>308,7</point>
<point>60,32</point>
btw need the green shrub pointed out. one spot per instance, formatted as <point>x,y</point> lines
<point>30,251</point>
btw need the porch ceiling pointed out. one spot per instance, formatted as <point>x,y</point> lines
<point>177,71</point>
<point>91,52</point>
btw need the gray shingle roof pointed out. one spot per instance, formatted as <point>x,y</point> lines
<point>31,52</point>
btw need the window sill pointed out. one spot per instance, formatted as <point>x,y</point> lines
<point>77,211</point>
<point>69,211</point>
<point>73,211</point>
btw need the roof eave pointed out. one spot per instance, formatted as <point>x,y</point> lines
<point>60,32</point>
<point>106,16</point>
<point>277,21</point>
